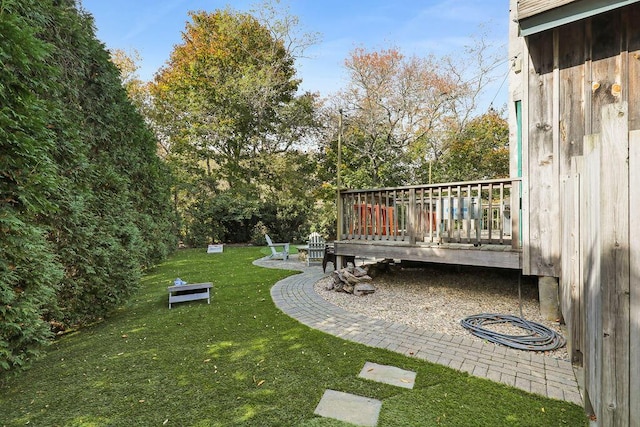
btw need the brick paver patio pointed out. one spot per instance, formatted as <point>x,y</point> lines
<point>532,372</point>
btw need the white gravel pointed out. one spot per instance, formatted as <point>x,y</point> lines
<point>437,298</point>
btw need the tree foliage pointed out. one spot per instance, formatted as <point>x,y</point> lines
<point>227,113</point>
<point>227,80</point>
<point>480,151</point>
<point>29,272</point>
<point>400,112</point>
<point>84,201</point>
<point>395,107</point>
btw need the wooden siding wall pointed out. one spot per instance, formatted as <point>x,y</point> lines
<point>634,277</point>
<point>541,240</point>
<point>581,143</point>
<point>573,71</point>
<point>605,311</point>
<point>527,8</point>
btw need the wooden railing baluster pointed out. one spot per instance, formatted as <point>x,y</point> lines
<point>434,213</point>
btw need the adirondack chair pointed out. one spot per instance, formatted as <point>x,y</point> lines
<point>284,253</point>
<point>316,248</point>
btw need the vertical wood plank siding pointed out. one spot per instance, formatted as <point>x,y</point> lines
<point>614,280</point>
<point>581,163</point>
<point>542,241</point>
<point>527,8</point>
<point>634,276</point>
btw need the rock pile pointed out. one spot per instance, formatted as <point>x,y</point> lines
<point>352,280</point>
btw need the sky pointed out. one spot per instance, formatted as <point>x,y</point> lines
<point>416,27</point>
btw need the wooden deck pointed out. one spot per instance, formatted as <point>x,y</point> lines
<point>499,256</point>
<point>465,223</point>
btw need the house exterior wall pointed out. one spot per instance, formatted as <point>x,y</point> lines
<point>563,78</point>
<point>527,8</point>
<point>579,88</point>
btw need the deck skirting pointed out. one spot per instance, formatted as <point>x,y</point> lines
<point>499,256</point>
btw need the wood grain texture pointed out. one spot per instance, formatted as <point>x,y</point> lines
<point>542,241</point>
<point>634,277</point>
<point>633,85</point>
<point>590,216</point>
<point>528,8</point>
<point>614,280</point>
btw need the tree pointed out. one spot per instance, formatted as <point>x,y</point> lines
<point>29,271</point>
<point>226,110</point>
<point>480,151</point>
<point>228,80</point>
<point>394,108</point>
<point>84,200</point>
<point>138,90</point>
<point>118,218</point>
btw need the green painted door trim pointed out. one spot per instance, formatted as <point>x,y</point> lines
<point>519,160</point>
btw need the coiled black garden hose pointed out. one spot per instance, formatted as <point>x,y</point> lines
<point>539,338</point>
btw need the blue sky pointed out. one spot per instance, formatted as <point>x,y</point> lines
<point>420,27</point>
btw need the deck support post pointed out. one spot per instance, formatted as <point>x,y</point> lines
<point>549,301</point>
<point>411,225</point>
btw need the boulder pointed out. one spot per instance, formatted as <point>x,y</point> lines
<point>363,289</point>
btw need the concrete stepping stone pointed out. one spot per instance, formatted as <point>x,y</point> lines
<point>388,375</point>
<point>358,410</point>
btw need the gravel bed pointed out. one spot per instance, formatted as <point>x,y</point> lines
<point>437,298</point>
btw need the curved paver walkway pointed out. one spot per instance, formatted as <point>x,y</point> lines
<point>528,371</point>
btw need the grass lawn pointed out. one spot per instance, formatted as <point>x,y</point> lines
<point>239,361</point>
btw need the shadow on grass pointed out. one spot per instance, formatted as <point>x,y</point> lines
<point>239,361</point>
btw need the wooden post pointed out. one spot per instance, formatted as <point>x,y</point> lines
<point>570,285</point>
<point>548,295</point>
<point>412,213</point>
<point>607,271</point>
<point>590,249</point>
<point>614,176</point>
<point>339,212</point>
<point>634,279</point>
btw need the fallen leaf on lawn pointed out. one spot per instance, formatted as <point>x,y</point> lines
<point>125,336</point>
<point>120,354</point>
<point>141,401</point>
<point>542,409</point>
<point>165,422</point>
<point>260,383</point>
<point>207,360</point>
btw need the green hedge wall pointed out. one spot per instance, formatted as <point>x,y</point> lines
<point>84,199</point>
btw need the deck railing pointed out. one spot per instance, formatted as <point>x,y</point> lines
<point>479,212</point>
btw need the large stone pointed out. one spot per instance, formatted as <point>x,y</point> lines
<point>388,375</point>
<point>353,279</point>
<point>549,299</point>
<point>337,276</point>
<point>363,289</point>
<point>359,272</point>
<point>349,408</point>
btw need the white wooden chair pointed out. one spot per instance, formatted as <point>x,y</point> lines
<point>316,248</point>
<point>284,253</point>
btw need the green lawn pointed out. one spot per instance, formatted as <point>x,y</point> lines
<point>239,361</point>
